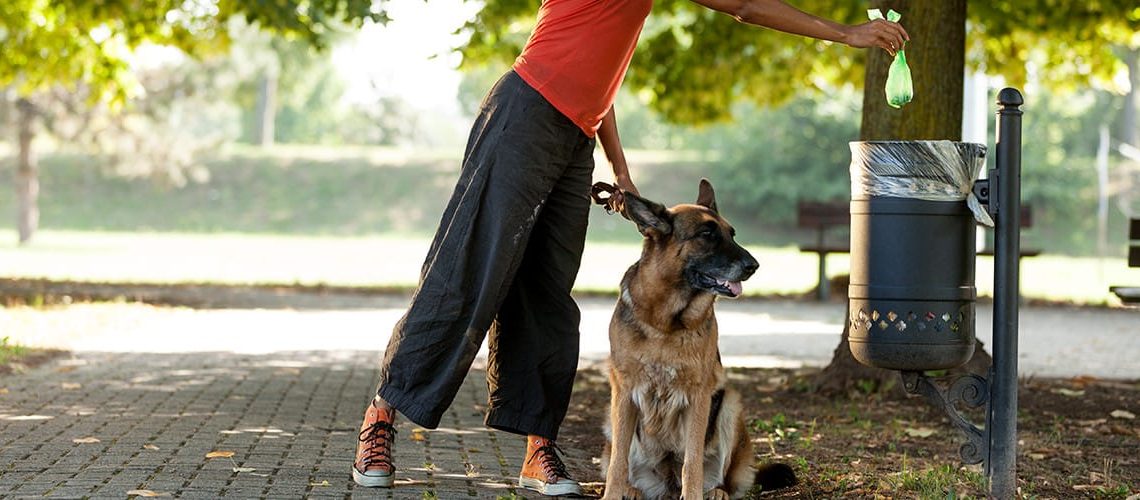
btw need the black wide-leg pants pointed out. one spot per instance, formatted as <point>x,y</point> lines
<point>503,260</point>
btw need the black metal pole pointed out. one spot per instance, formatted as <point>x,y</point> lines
<point>1002,416</point>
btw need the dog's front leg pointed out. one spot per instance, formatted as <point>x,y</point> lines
<point>692,472</point>
<point>623,421</point>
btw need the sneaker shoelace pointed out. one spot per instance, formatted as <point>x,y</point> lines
<point>378,436</point>
<point>551,464</point>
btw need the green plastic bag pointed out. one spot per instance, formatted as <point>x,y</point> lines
<point>899,88</point>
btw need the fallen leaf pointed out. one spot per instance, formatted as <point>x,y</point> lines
<point>150,447</point>
<point>1069,392</point>
<point>1037,456</point>
<point>1119,430</point>
<point>243,469</point>
<point>147,493</point>
<point>1083,380</point>
<point>418,435</point>
<point>322,483</point>
<point>69,386</point>
<point>1123,414</point>
<point>220,454</point>
<point>3,390</point>
<point>86,440</point>
<point>921,432</point>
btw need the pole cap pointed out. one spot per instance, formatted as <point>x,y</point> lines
<point>1010,96</point>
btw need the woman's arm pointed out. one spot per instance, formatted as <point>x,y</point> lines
<point>780,16</point>
<point>611,146</point>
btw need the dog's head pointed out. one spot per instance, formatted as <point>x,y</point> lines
<point>691,242</point>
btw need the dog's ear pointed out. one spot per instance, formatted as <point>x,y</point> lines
<point>649,216</point>
<point>705,196</point>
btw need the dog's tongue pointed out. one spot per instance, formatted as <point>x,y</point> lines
<point>735,287</point>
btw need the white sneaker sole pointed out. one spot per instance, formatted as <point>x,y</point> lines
<point>373,481</point>
<point>550,490</point>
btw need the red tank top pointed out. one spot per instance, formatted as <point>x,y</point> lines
<point>578,54</point>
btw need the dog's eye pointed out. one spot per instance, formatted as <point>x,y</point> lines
<point>707,234</point>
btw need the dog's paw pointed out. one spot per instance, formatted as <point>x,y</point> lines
<point>628,493</point>
<point>716,494</point>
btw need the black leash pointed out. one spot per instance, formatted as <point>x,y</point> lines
<point>609,201</point>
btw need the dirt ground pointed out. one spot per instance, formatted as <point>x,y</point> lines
<point>1079,438</point>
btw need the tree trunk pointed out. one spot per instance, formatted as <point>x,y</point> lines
<point>27,174</point>
<point>936,55</point>
<point>266,112</point>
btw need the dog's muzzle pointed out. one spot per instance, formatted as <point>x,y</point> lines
<point>720,286</point>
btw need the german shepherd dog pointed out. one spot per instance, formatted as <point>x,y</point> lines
<point>675,429</point>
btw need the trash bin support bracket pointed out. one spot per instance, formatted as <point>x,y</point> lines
<point>970,391</point>
<point>982,191</point>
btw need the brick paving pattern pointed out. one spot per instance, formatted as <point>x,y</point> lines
<point>290,420</point>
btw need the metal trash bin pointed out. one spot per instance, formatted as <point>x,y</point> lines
<point>912,253</point>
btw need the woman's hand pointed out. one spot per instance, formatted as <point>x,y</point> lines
<point>878,33</point>
<point>626,184</point>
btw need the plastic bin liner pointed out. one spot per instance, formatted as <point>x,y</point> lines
<point>925,170</point>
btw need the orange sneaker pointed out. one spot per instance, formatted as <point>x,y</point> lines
<point>373,466</point>
<point>544,471</point>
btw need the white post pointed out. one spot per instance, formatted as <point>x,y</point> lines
<point>975,121</point>
<point>1102,192</point>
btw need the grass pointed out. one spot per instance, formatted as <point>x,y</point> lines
<point>287,190</point>
<point>394,261</point>
<point>10,351</point>
<point>363,216</point>
<point>939,482</point>
<point>16,358</point>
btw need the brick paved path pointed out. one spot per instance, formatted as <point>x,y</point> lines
<point>290,419</point>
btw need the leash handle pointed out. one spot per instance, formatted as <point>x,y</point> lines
<point>609,201</point>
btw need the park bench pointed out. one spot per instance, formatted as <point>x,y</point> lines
<point>823,216</point>
<point>1131,294</point>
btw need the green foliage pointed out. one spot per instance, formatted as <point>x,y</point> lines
<point>777,428</point>
<point>1059,176</point>
<point>310,191</point>
<point>1070,40</point>
<point>783,155</point>
<point>71,42</point>
<point>937,483</point>
<point>308,89</point>
<point>714,61</point>
<point>693,64</point>
<point>476,82</point>
<point>10,350</point>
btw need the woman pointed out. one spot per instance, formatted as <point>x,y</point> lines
<point>510,242</point>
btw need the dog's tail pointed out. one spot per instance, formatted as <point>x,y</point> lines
<point>775,476</point>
